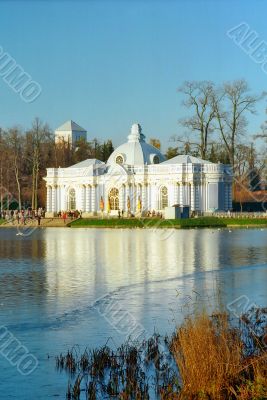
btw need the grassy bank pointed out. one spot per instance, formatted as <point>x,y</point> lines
<point>201,222</point>
<point>206,358</point>
<point>1,221</point>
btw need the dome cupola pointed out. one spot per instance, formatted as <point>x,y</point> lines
<point>136,134</point>
<point>136,151</point>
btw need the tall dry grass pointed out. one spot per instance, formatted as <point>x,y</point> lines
<point>206,359</point>
<point>211,361</point>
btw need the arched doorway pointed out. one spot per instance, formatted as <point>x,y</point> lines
<point>72,199</point>
<point>114,199</point>
<point>163,197</point>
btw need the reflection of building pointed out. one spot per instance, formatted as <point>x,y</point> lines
<point>91,261</point>
<point>70,132</point>
<point>136,178</point>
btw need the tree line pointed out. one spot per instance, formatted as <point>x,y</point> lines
<point>25,155</point>
<point>216,130</point>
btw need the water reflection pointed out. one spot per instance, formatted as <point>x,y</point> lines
<point>20,247</point>
<point>48,282</point>
<point>83,264</point>
<point>93,261</point>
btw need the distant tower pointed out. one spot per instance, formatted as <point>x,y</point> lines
<point>70,132</point>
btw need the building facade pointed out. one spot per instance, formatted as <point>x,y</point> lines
<point>137,178</point>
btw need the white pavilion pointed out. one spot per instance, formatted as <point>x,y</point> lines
<point>137,178</point>
<point>70,132</point>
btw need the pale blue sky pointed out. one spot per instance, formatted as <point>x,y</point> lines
<point>107,64</point>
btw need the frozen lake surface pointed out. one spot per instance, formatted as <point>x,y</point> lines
<point>50,280</point>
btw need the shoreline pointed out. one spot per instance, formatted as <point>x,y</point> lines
<point>146,223</point>
<point>154,223</point>
<point>146,228</point>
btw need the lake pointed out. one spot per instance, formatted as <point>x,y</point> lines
<point>53,282</point>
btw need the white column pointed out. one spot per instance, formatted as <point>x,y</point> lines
<point>106,194</point>
<point>144,193</point>
<point>197,189</point>
<point>58,197</point>
<point>137,194</point>
<point>182,194</point>
<point>154,197</point>
<point>127,194</point>
<point>187,194</point>
<point>207,196</point>
<point>93,198</point>
<point>192,195</point>
<point>176,193</point>
<point>131,191</point>
<point>53,198</point>
<point>124,199</point>
<point>87,198</point>
<point>63,205</point>
<point>133,197</point>
<point>82,198</point>
<point>171,194</point>
<point>121,198</point>
<point>148,197</point>
<point>48,199</point>
<point>202,196</point>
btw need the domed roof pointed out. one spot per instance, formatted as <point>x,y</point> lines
<point>136,151</point>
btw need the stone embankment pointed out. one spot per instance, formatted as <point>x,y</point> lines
<point>45,222</point>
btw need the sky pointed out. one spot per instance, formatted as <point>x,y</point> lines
<point>109,64</point>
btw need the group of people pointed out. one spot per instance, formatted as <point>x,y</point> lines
<point>153,214</point>
<point>148,214</point>
<point>22,217</point>
<point>69,214</point>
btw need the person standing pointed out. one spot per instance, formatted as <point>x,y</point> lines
<point>39,216</point>
<point>64,216</point>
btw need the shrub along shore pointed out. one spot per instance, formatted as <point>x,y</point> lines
<point>201,222</point>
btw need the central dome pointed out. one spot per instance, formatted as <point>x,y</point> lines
<point>136,151</point>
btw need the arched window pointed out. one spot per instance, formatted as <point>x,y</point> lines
<point>163,197</point>
<point>119,159</point>
<point>72,199</point>
<point>114,199</point>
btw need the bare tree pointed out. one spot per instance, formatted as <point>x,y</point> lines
<point>38,135</point>
<point>199,98</point>
<point>2,162</point>
<point>231,104</point>
<point>263,133</point>
<point>14,140</point>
